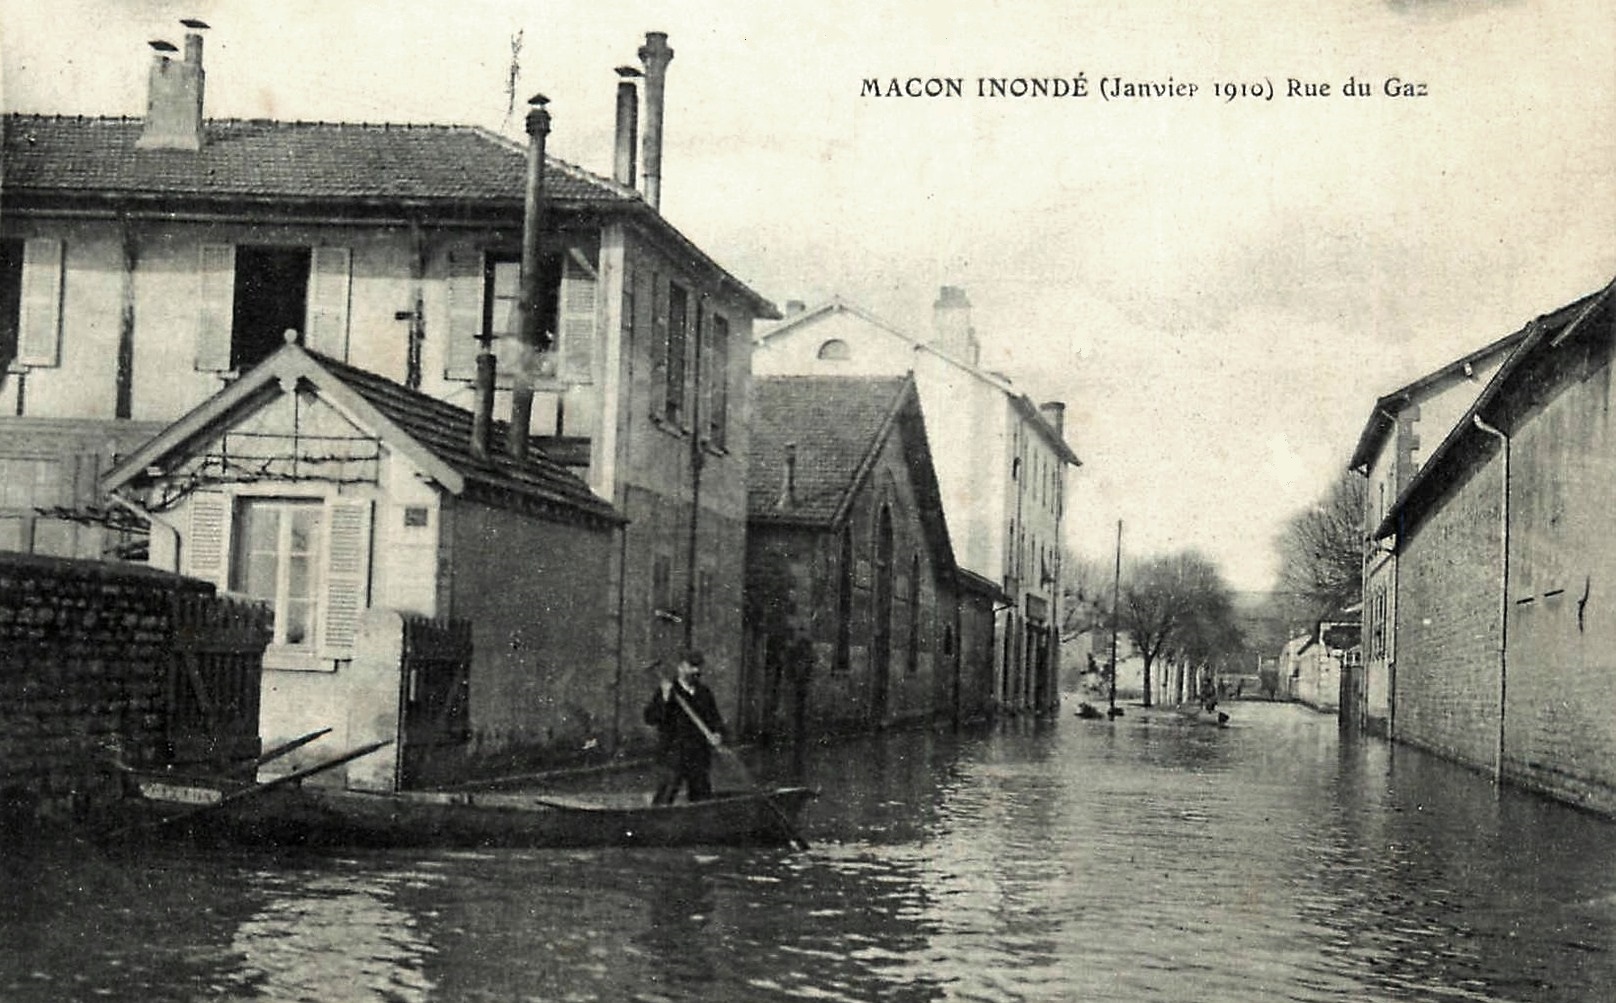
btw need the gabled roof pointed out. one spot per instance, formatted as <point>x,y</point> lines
<point>1383,415</point>
<point>837,427</point>
<point>435,171</point>
<point>265,158</point>
<point>432,435</point>
<point>1542,335</point>
<point>1020,401</point>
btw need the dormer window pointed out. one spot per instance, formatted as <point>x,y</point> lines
<point>835,350</point>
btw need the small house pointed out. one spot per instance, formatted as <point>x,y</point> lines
<point>426,588</point>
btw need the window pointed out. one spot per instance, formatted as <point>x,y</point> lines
<point>914,614</point>
<point>502,323</point>
<point>673,361</point>
<point>11,252</point>
<point>251,295</point>
<point>835,350</point>
<point>30,302</point>
<point>844,605</point>
<point>307,557</point>
<point>718,382</point>
<point>275,560</point>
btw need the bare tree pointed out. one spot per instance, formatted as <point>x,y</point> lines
<point>1177,605</point>
<point>1321,551</point>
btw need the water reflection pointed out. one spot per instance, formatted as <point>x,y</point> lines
<point>322,930</point>
<point>1133,861</point>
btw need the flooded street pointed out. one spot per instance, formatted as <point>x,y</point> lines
<point>1067,860</point>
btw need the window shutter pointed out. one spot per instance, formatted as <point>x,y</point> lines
<point>329,276</point>
<point>347,575</point>
<point>218,299</point>
<point>576,325</point>
<point>465,314</point>
<point>207,545</point>
<point>40,321</point>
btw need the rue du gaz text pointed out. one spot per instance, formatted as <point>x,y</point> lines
<point>1110,88</point>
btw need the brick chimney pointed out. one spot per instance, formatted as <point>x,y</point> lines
<point>1054,412</point>
<point>628,124</point>
<point>951,325</point>
<point>174,99</point>
<point>656,56</point>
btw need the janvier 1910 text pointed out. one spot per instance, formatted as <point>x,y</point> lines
<point>1109,88</point>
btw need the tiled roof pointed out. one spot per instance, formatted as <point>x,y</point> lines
<point>251,158</point>
<point>445,430</point>
<point>833,421</point>
<point>435,436</point>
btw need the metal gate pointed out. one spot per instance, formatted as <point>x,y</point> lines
<point>437,688</point>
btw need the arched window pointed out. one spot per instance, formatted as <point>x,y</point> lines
<point>914,614</point>
<point>835,350</point>
<point>844,604</point>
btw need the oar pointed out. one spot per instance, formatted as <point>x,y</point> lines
<point>250,792</point>
<point>712,739</point>
<point>286,747</point>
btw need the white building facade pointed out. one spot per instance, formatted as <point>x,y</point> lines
<point>1001,464</point>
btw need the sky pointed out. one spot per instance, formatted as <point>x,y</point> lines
<point>1219,289</point>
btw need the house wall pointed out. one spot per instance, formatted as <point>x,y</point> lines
<point>1003,526</point>
<point>674,594</point>
<point>538,595</point>
<point>1418,427</point>
<point>975,646</point>
<point>1448,624</point>
<point>794,576</point>
<point>1559,734</point>
<point>391,269</point>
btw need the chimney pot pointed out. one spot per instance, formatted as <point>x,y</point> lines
<point>656,55</point>
<point>174,99</point>
<point>628,126</point>
<point>951,323</point>
<point>1054,412</point>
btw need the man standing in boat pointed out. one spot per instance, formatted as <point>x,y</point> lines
<point>689,727</point>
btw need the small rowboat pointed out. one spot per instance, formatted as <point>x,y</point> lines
<point>312,815</point>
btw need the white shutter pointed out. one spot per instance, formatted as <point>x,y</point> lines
<point>207,544</point>
<point>576,324</point>
<point>330,270</point>
<point>217,298</point>
<point>465,314</point>
<point>40,322</point>
<point>347,575</point>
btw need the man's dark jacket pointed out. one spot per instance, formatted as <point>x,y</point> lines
<point>679,738</point>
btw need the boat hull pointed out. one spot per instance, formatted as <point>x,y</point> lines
<point>309,815</point>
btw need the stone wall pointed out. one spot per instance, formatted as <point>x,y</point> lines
<point>83,666</point>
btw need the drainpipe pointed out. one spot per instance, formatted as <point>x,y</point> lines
<point>529,331</point>
<point>1503,593</point>
<point>697,461</point>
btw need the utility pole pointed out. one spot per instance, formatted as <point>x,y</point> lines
<point>1116,607</point>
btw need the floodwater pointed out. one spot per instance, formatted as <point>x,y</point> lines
<point>1140,860</point>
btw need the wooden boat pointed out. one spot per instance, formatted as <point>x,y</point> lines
<point>301,815</point>
<point>296,814</point>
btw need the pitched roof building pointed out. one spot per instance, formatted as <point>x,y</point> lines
<point>1001,463</point>
<point>853,591</point>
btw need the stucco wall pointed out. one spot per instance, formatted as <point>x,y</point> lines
<point>537,593</point>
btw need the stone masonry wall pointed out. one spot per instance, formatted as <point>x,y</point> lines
<point>82,662</point>
<point>1448,625</point>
